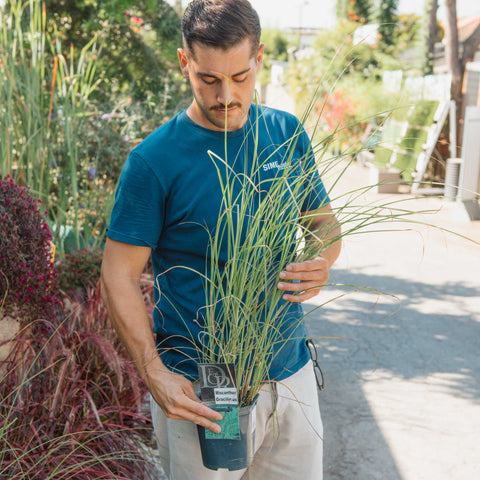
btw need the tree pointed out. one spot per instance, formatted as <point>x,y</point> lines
<point>387,21</point>
<point>457,58</point>
<point>138,39</point>
<point>354,10</point>
<point>276,48</point>
<point>430,19</point>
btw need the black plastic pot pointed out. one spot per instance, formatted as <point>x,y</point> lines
<point>230,454</point>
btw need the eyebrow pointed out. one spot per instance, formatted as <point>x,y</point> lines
<point>204,74</point>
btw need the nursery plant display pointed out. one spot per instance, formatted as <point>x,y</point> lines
<point>71,402</point>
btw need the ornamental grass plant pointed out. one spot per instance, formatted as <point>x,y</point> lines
<point>263,225</point>
<point>71,403</point>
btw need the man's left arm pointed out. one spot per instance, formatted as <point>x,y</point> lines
<point>304,280</point>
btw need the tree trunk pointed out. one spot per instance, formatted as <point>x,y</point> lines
<point>452,51</point>
<point>432,7</point>
<point>454,66</point>
<point>471,46</point>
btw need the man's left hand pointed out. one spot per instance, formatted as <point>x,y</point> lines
<point>304,280</point>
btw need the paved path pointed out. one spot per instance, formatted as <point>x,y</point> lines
<point>402,400</point>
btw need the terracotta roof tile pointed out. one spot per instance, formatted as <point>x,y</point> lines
<point>466,26</point>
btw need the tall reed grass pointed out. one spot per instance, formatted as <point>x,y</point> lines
<point>246,320</point>
<point>44,102</point>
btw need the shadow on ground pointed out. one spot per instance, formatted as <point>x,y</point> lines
<point>413,332</point>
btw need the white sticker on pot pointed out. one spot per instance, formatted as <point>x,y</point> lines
<point>226,396</point>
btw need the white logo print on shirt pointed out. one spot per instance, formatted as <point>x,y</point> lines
<point>271,165</point>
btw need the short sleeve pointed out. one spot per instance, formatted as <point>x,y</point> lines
<point>139,210</point>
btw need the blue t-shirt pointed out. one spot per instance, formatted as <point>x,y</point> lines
<point>168,198</point>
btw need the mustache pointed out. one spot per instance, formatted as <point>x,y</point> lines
<point>225,107</point>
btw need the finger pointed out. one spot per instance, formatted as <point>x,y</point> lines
<point>302,291</point>
<point>198,409</point>
<point>315,275</point>
<point>196,413</point>
<point>190,392</point>
<point>205,417</point>
<point>301,297</point>
<point>317,264</point>
<point>312,291</point>
<point>302,286</point>
<point>196,419</point>
<point>203,411</point>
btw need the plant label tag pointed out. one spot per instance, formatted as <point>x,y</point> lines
<point>217,383</point>
<point>226,396</point>
<point>230,423</point>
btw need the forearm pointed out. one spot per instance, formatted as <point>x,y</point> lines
<point>324,239</point>
<point>126,308</point>
<point>329,247</point>
<point>121,292</point>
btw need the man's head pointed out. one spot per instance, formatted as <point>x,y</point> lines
<point>221,57</point>
<point>220,24</point>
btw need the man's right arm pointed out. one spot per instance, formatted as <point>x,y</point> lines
<point>122,267</point>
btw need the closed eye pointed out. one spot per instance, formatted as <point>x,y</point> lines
<point>209,80</point>
<point>241,79</point>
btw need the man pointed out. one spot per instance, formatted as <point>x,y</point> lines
<point>168,193</point>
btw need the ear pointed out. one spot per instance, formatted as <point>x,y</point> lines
<point>260,56</point>
<point>182,58</point>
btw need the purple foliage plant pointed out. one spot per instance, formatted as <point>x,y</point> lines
<point>28,281</point>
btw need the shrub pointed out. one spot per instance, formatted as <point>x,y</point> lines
<point>79,270</point>
<point>26,268</point>
<point>72,404</point>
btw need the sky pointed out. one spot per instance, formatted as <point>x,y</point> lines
<point>321,13</point>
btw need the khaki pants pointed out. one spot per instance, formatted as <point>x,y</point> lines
<point>288,438</point>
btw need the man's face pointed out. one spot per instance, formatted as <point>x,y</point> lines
<point>223,82</point>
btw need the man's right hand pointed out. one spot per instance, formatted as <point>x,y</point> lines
<point>176,397</point>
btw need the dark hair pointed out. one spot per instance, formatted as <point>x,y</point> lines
<point>220,24</point>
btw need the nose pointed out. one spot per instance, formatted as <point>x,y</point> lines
<point>225,93</point>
